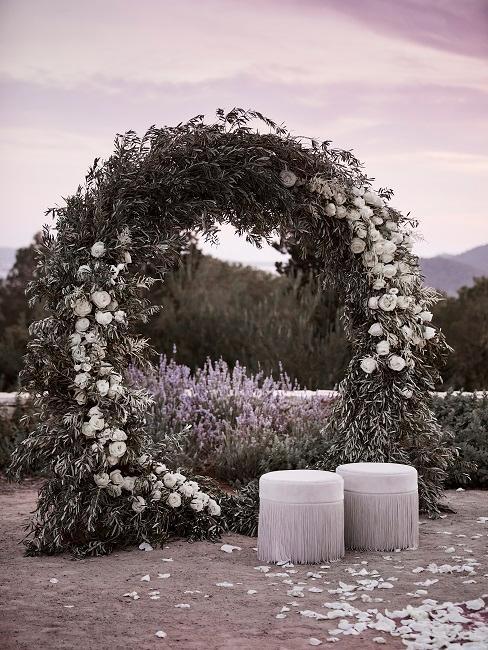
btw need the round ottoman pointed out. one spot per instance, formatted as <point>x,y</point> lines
<point>381,508</point>
<point>301,516</point>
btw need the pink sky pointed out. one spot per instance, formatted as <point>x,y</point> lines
<point>405,84</point>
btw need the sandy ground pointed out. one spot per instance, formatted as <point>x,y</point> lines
<point>86,607</point>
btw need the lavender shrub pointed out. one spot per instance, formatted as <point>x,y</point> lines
<point>237,425</point>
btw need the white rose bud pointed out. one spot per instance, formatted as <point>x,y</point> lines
<point>383,348</point>
<point>101,299</point>
<point>425,316</point>
<point>117,449</point>
<point>88,430</point>
<point>407,331</point>
<point>83,272</point>
<point>170,480</point>
<point>103,387</point>
<point>74,340</point>
<point>287,178</point>
<point>396,363</point>
<point>373,302</point>
<point>429,333</point>
<point>82,380</point>
<point>174,500</point>
<point>116,477</point>
<point>373,199</point>
<point>368,365</point>
<point>196,505</point>
<point>213,508</point>
<point>376,329</point>
<point>138,505</point>
<point>98,249</point>
<point>82,307</point>
<point>103,317</point>
<point>97,422</point>
<point>330,209</point>
<point>361,231</point>
<point>357,245</point>
<point>82,324</point>
<point>159,468</point>
<point>102,480</point>
<point>120,316</point>
<point>386,258</point>
<point>387,302</point>
<point>358,191</point>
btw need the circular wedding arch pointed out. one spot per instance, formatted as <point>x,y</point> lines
<point>107,485</point>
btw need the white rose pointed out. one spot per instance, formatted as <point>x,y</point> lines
<point>386,258</point>
<point>90,337</point>
<point>340,198</point>
<point>407,393</point>
<point>129,483</point>
<point>377,220</point>
<point>288,178</point>
<point>383,348</point>
<point>117,449</point>
<point>88,430</point>
<point>82,324</point>
<point>138,505</point>
<point>83,271</point>
<point>101,299</point>
<point>98,249</point>
<point>387,302</point>
<point>396,363</point>
<point>390,270</point>
<point>159,468</point>
<point>82,380</point>
<point>357,245</point>
<point>373,302</point>
<point>403,302</point>
<point>116,477</point>
<point>373,199</point>
<point>407,331</point>
<point>102,480</point>
<point>354,215</point>
<point>97,422</point>
<point>120,316</point>
<point>374,234</point>
<point>213,507</point>
<point>103,317</point>
<point>196,505</point>
<point>80,397</point>
<point>366,212</point>
<point>95,410</point>
<point>379,247</point>
<point>341,212</point>
<point>359,202</point>
<point>82,307</point>
<point>396,238</point>
<point>114,490</point>
<point>118,435</point>
<point>112,460</point>
<point>378,268</point>
<point>180,478</point>
<point>156,495</point>
<point>358,191</point>
<point>361,231</point>
<point>74,340</point>
<point>186,490</point>
<point>174,500</point>
<point>379,283</point>
<point>204,498</point>
<point>429,333</point>
<point>376,329</point>
<point>330,209</point>
<point>103,387</point>
<point>368,365</point>
<point>391,225</point>
<point>425,316</point>
<point>389,247</point>
<point>170,480</point>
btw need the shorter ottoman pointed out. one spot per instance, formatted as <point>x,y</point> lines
<point>381,506</point>
<point>301,516</point>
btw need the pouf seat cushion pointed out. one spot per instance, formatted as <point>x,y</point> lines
<point>380,506</point>
<point>301,516</point>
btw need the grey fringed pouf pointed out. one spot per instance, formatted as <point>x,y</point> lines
<point>381,506</point>
<point>301,516</point>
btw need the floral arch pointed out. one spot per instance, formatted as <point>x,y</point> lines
<point>107,485</point>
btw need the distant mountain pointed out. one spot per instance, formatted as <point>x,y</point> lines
<point>7,259</point>
<point>451,272</point>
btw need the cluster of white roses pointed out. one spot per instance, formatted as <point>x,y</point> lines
<point>385,251</point>
<point>96,378</point>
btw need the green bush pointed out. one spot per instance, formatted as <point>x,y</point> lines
<point>466,417</point>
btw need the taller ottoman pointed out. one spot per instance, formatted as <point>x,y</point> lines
<point>301,516</point>
<point>381,506</point>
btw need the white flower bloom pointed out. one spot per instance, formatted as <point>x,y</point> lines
<point>120,316</point>
<point>391,225</point>
<point>105,369</point>
<point>387,302</point>
<point>116,477</point>
<point>88,430</point>
<point>407,331</point>
<point>196,505</point>
<point>357,245</point>
<point>407,393</point>
<point>97,422</point>
<point>112,460</point>
<point>213,507</point>
<point>90,337</point>
<point>358,191</point>
<point>80,397</point>
<point>373,302</point>
<point>374,234</point>
<point>396,238</point>
<point>82,380</point>
<point>82,307</point>
<point>117,449</point>
<point>330,209</point>
<point>379,283</point>
<point>390,270</point>
<point>383,348</point>
<point>359,202</point>
<point>354,215</point>
<point>389,247</point>
<point>288,178</point>
<point>114,490</point>
<point>386,258</point>
<point>127,257</point>
<point>74,339</point>
<point>368,365</point>
<point>82,324</point>
<point>102,480</point>
<point>373,199</point>
<point>366,212</point>
<point>98,249</point>
<point>341,212</point>
<point>118,435</point>
<point>379,247</point>
<point>170,480</point>
<point>156,495</point>
<point>377,220</point>
<point>159,468</point>
<point>103,387</point>
<point>186,490</point>
<point>83,271</point>
<point>378,268</point>
<point>403,302</point>
<point>376,329</point>
<point>396,363</point>
<point>103,317</point>
<point>429,333</point>
<point>174,500</point>
<point>95,410</point>
<point>139,504</point>
<point>425,316</point>
<point>129,483</point>
<point>368,259</point>
<point>361,231</point>
<point>204,498</point>
<point>101,299</point>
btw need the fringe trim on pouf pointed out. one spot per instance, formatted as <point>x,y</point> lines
<point>300,532</point>
<point>381,522</point>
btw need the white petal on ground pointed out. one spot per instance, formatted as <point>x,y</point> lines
<point>474,605</point>
<point>146,578</point>
<point>224,584</point>
<point>251,591</point>
<point>166,559</point>
<point>145,547</point>
<point>160,634</point>
<point>314,641</point>
<point>308,613</point>
<point>228,548</point>
<point>163,576</point>
<point>379,639</point>
<point>280,616</point>
<point>53,581</point>
<point>262,569</point>
<point>182,606</point>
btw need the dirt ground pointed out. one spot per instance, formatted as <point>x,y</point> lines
<point>57,602</point>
